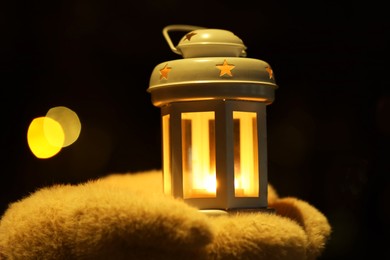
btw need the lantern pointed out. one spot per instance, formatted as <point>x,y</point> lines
<point>213,115</point>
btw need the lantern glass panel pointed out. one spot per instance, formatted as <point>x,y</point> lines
<point>198,154</point>
<point>246,163</point>
<point>166,155</point>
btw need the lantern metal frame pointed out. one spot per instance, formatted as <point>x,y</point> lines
<point>225,196</point>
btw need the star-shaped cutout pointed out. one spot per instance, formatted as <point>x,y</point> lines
<point>270,72</point>
<point>225,68</point>
<point>164,72</point>
<point>189,36</point>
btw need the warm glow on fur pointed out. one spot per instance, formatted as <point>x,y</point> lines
<point>127,216</point>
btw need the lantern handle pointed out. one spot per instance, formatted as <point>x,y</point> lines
<point>177,27</point>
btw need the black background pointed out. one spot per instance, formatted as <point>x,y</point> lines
<point>328,129</point>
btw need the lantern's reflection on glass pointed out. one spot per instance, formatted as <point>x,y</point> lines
<point>246,163</point>
<point>198,154</point>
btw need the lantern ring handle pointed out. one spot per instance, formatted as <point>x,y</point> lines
<point>177,27</point>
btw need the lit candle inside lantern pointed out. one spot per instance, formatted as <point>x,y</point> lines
<point>198,149</point>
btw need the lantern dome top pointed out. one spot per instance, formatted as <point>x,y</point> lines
<point>214,67</point>
<point>202,42</point>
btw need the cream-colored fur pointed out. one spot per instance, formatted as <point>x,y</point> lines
<point>126,216</point>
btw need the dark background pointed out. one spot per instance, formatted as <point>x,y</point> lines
<point>328,129</point>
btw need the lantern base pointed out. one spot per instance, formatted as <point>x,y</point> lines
<point>250,210</point>
<point>220,212</point>
<point>214,212</point>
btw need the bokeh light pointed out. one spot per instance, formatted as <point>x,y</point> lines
<point>69,121</point>
<point>45,137</point>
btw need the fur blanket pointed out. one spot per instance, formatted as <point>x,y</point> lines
<point>126,216</point>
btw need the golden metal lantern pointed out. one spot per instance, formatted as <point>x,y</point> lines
<point>213,109</point>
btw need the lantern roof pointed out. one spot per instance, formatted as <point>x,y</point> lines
<point>215,66</point>
<point>211,43</point>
